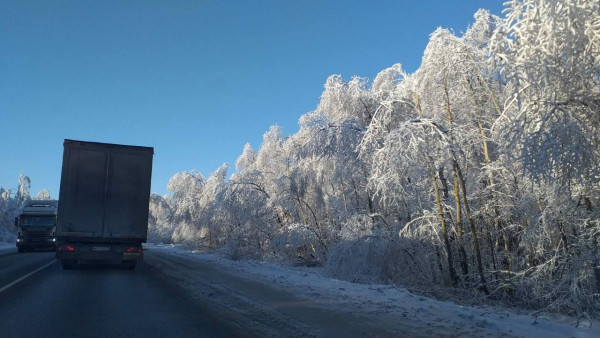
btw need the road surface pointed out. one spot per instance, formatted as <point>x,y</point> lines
<point>165,296</point>
<point>95,301</point>
<point>176,293</point>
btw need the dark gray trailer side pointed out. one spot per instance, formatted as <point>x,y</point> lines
<point>103,202</point>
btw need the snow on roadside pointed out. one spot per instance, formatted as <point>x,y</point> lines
<point>391,304</point>
<point>4,246</point>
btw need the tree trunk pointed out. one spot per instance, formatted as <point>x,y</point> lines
<point>488,161</point>
<point>476,247</point>
<point>438,202</point>
<point>459,228</point>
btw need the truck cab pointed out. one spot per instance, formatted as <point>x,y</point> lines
<point>36,225</point>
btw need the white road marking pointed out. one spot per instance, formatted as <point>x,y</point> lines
<point>27,275</point>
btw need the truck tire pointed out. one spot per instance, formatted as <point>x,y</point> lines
<point>21,250</point>
<point>68,264</point>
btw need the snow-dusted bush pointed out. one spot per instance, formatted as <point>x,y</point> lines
<point>362,251</point>
<point>299,243</point>
<point>239,246</point>
<point>360,260</point>
<point>357,226</point>
<point>559,263</point>
<point>416,258</point>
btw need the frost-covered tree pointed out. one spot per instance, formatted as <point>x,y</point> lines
<point>43,195</point>
<point>333,133</point>
<point>210,199</point>
<point>344,101</point>
<point>245,162</point>
<point>160,219</point>
<point>186,189</point>
<point>23,189</point>
<point>8,207</point>
<point>547,52</point>
<point>272,173</point>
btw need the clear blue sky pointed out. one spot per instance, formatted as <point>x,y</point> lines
<point>194,79</point>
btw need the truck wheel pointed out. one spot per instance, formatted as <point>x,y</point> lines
<point>68,264</point>
<point>130,265</point>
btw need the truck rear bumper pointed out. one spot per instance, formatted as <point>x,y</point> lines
<point>97,252</point>
<point>97,256</point>
<point>26,243</point>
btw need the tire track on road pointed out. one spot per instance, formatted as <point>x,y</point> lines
<point>251,316</point>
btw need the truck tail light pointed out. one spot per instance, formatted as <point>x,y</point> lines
<point>134,249</point>
<point>66,248</point>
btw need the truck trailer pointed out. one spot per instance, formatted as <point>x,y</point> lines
<point>36,225</point>
<point>103,203</point>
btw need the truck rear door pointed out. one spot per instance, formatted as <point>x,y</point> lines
<point>128,195</point>
<point>87,183</point>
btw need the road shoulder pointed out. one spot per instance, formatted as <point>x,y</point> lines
<point>302,302</point>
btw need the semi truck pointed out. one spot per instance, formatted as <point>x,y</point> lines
<point>36,225</point>
<point>103,203</point>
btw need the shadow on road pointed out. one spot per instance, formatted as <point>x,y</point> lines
<point>99,266</point>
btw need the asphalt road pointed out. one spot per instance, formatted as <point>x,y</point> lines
<point>96,301</point>
<point>167,295</point>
